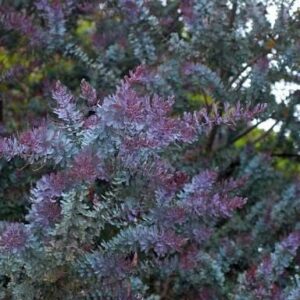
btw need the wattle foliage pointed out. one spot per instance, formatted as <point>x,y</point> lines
<point>147,207</point>
<point>144,174</point>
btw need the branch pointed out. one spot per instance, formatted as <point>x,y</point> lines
<point>214,131</point>
<point>211,138</point>
<point>243,133</point>
<point>233,14</point>
<point>265,133</point>
<point>287,155</point>
<point>249,64</point>
<point>240,84</point>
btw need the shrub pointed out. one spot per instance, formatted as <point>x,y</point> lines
<point>163,187</point>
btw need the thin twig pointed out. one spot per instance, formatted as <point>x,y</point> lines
<point>243,133</point>
<point>266,133</point>
<point>249,64</point>
<point>287,155</point>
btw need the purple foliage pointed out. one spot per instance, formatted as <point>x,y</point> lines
<point>13,238</point>
<point>157,211</point>
<point>20,22</point>
<point>187,11</point>
<point>13,74</point>
<point>39,143</point>
<point>86,166</point>
<point>44,213</point>
<point>291,243</point>
<point>262,280</point>
<point>167,188</point>
<point>88,93</point>
<point>204,196</point>
<point>66,108</point>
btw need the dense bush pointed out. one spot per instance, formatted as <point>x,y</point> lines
<point>154,181</point>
